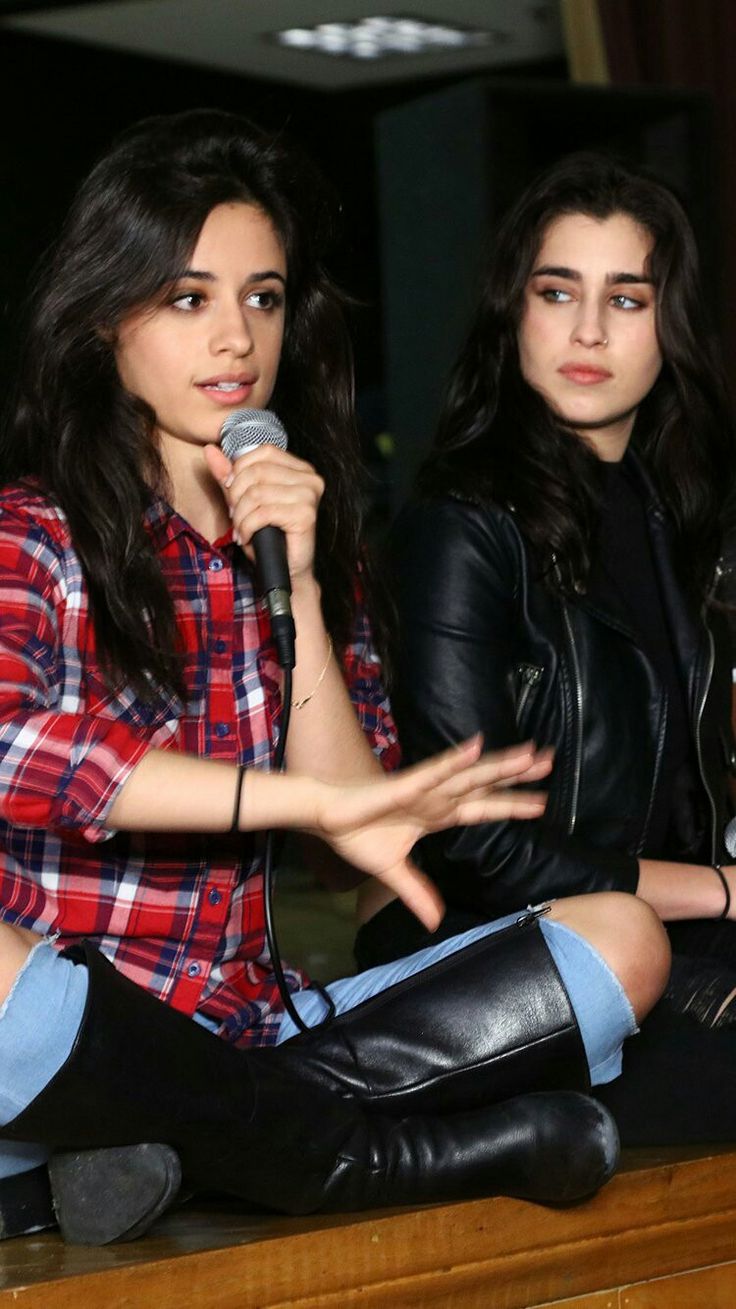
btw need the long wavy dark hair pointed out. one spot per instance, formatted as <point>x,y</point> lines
<point>498,439</point>
<point>130,234</point>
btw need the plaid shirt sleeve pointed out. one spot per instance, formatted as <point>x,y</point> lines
<point>362,669</point>
<point>58,768</point>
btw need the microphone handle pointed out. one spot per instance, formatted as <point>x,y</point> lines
<point>269,544</point>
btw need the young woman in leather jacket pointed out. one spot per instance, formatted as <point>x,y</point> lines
<point>560,575</point>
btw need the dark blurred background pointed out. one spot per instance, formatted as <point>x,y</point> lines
<point>424,147</point>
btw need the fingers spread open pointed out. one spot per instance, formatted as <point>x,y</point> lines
<point>500,769</point>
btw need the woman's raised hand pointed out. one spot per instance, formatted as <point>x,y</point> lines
<point>269,487</point>
<point>374,825</point>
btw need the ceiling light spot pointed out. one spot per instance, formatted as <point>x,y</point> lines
<point>379,37</point>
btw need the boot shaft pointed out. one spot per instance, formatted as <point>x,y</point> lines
<point>487,1022</point>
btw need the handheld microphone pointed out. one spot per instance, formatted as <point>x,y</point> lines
<point>243,431</point>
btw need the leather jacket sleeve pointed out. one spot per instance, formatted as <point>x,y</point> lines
<point>459,571</point>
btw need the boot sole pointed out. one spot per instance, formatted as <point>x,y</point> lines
<point>112,1194</point>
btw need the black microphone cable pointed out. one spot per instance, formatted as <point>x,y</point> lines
<point>269,881</point>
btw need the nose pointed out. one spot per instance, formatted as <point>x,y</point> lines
<point>231,333</point>
<point>589,328</point>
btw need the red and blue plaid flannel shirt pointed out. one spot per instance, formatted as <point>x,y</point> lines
<point>181,915</point>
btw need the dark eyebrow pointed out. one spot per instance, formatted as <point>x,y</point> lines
<point>553,270</point>
<point>198,275</point>
<point>633,279</point>
<point>613,279</point>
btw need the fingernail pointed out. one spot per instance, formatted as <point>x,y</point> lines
<point>229,481</point>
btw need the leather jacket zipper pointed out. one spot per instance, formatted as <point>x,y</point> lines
<point>530,676</point>
<point>698,742</point>
<point>717,574</point>
<point>655,775</point>
<point>579,704</point>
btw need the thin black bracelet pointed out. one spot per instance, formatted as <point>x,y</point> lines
<point>717,869</point>
<point>235,825</point>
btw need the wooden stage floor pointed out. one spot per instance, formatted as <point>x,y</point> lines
<point>659,1236</point>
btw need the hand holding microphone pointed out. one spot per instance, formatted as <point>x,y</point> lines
<point>273,499</point>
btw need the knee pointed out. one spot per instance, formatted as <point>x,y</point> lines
<point>629,935</point>
<point>640,953</point>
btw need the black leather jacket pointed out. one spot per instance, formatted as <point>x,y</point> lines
<point>486,646</point>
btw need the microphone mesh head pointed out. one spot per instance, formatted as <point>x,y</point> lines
<point>247,428</point>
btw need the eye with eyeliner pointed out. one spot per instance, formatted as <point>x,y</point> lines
<point>555,295</point>
<point>628,303</point>
<point>266,300</point>
<point>186,301</point>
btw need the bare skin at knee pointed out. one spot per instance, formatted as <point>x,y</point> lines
<point>16,944</point>
<point>629,935</point>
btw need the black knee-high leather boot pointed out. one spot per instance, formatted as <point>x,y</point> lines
<point>245,1123</point>
<point>489,1021</point>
